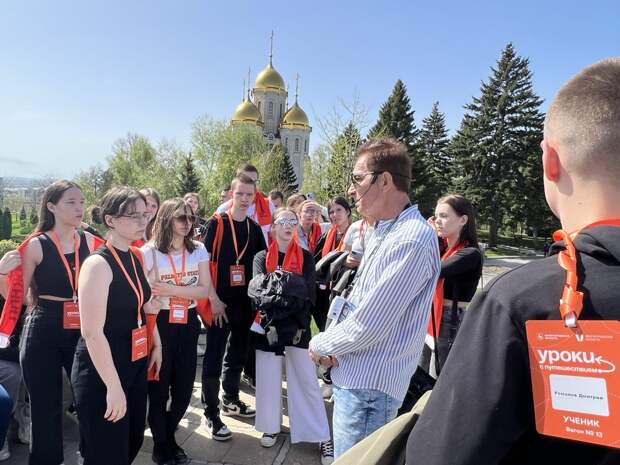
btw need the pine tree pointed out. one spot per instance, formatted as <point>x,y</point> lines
<point>188,177</point>
<point>289,179</point>
<point>341,161</point>
<point>22,216</point>
<point>7,220</point>
<point>34,219</point>
<point>396,119</point>
<point>496,146</point>
<point>433,143</point>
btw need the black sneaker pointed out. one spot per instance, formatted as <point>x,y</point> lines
<point>219,431</point>
<point>327,452</point>
<point>162,455</point>
<point>237,408</point>
<point>180,457</point>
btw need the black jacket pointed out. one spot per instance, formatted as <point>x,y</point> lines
<point>481,412</point>
<point>283,300</point>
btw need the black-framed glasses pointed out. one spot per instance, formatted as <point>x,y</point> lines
<point>358,178</point>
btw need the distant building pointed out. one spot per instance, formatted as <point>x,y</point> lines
<point>266,107</point>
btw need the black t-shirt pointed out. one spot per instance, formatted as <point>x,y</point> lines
<point>481,410</point>
<point>461,272</point>
<point>228,257</point>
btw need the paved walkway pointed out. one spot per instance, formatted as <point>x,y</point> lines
<point>243,449</point>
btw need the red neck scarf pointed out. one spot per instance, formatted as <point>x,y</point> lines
<point>293,258</point>
<point>261,209</point>
<point>330,241</point>
<point>438,296</point>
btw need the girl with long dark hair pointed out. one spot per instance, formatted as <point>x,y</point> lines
<point>50,265</point>
<point>180,276</point>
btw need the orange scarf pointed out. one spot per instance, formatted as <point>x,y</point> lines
<point>313,237</point>
<point>293,258</point>
<point>438,296</point>
<point>262,213</point>
<point>330,240</point>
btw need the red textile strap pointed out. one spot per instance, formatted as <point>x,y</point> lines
<point>14,297</point>
<point>293,258</point>
<point>261,209</point>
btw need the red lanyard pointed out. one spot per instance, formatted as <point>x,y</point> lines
<point>174,269</point>
<point>234,236</point>
<point>571,302</point>
<point>73,281</point>
<point>138,290</point>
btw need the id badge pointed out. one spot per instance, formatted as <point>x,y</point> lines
<point>139,347</point>
<point>237,275</point>
<point>339,309</point>
<point>178,310</point>
<point>70,315</point>
<point>576,380</point>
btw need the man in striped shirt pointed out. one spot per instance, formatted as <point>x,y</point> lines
<point>374,348</point>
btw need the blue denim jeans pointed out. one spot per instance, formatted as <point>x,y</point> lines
<point>358,413</point>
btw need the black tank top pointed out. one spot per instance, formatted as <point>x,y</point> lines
<point>50,276</point>
<point>121,311</point>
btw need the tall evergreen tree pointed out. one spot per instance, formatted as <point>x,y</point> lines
<point>7,221</point>
<point>396,119</point>
<point>188,177</point>
<point>497,143</point>
<point>22,216</point>
<point>277,171</point>
<point>433,144</point>
<point>341,161</point>
<point>34,218</point>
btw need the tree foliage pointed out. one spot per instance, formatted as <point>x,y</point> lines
<point>188,177</point>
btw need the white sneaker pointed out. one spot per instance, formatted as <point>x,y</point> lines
<point>327,452</point>
<point>327,390</point>
<point>5,453</point>
<point>268,439</point>
<point>22,417</point>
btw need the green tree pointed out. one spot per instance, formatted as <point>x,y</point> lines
<point>94,181</point>
<point>34,218</point>
<point>433,143</point>
<point>22,216</point>
<point>315,173</point>
<point>188,177</point>
<point>218,149</point>
<point>7,220</point>
<point>277,171</point>
<point>495,147</point>
<point>341,161</point>
<point>396,120</point>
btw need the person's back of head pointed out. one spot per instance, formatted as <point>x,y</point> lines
<point>581,150</point>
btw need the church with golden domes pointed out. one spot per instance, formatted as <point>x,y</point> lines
<point>266,107</point>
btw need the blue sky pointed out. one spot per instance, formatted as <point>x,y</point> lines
<point>75,76</point>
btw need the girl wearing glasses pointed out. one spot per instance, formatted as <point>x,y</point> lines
<point>109,375</point>
<point>309,231</point>
<point>308,419</point>
<point>178,268</point>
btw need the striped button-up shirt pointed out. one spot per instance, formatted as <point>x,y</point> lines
<point>379,343</point>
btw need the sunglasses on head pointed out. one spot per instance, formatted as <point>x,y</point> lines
<point>286,222</point>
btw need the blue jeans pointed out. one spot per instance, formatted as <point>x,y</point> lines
<point>358,413</point>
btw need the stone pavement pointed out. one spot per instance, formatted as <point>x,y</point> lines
<point>243,449</point>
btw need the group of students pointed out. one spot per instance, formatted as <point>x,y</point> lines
<point>120,316</point>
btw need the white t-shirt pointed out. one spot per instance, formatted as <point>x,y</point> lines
<point>251,214</point>
<point>191,275</point>
<point>354,241</point>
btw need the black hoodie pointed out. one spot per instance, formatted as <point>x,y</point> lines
<point>481,411</point>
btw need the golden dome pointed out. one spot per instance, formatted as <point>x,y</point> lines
<point>269,79</point>
<point>247,112</point>
<point>295,117</point>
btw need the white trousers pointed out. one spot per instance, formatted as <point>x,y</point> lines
<point>306,410</point>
